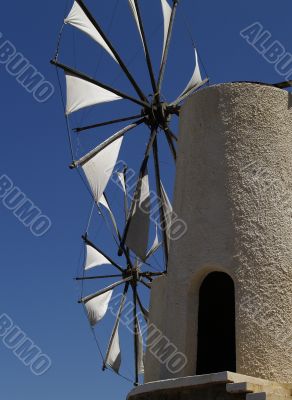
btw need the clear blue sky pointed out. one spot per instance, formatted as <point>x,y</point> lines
<point>37,290</point>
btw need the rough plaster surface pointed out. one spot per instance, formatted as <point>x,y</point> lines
<point>234,191</point>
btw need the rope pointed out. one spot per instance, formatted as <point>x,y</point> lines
<point>87,112</point>
<point>66,117</point>
<point>186,22</point>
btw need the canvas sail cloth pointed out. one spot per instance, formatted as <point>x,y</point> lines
<point>155,246</point>
<point>166,10</point>
<point>94,258</point>
<point>104,202</point>
<point>138,233</point>
<point>99,168</point>
<point>79,20</point>
<point>168,211</point>
<point>113,358</point>
<point>81,94</point>
<point>196,78</point>
<point>97,307</point>
<point>135,15</point>
<point>140,355</point>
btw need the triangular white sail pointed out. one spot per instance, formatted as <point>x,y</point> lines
<point>79,20</point>
<point>104,202</point>
<point>94,258</point>
<point>138,233</point>
<point>135,15</point>
<point>99,168</point>
<point>196,79</point>
<point>166,9</point>
<point>122,180</point>
<point>168,211</point>
<point>155,246</point>
<point>81,94</point>
<point>97,307</point>
<point>140,355</point>
<point>113,358</point>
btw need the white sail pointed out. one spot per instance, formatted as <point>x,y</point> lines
<point>166,9</point>
<point>155,246</point>
<point>113,358</point>
<point>140,355</point>
<point>122,180</point>
<point>135,15</point>
<point>99,168</point>
<point>97,307</point>
<point>79,20</point>
<point>138,233</point>
<point>196,78</point>
<point>81,94</point>
<point>94,258</point>
<point>104,202</point>
<point>168,211</point>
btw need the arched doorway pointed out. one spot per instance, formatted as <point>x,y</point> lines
<point>216,325</point>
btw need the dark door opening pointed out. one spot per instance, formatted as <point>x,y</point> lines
<point>216,325</point>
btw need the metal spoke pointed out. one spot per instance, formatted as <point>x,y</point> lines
<point>136,337</point>
<point>135,199</point>
<point>113,50</point>
<point>89,79</point>
<point>171,145</point>
<point>105,290</point>
<point>145,284</point>
<point>161,208</point>
<point>189,92</point>
<point>87,278</point>
<point>148,58</point>
<point>143,309</point>
<point>106,143</point>
<point>99,125</point>
<point>171,133</point>
<point>166,50</point>
<point>283,85</point>
<point>126,206</point>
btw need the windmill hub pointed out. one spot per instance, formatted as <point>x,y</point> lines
<point>158,115</point>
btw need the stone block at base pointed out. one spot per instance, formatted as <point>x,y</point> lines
<point>219,386</point>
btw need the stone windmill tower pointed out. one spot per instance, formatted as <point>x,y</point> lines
<point>223,315</point>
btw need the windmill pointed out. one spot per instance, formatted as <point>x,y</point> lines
<point>98,165</point>
<point>130,276</point>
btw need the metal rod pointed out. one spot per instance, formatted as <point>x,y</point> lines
<point>87,278</point>
<point>152,274</point>
<point>141,174</point>
<point>87,241</point>
<point>143,309</point>
<point>99,125</point>
<point>159,193</point>
<point>126,205</point>
<point>104,144</point>
<point>105,290</point>
<point>148,58</point>
<point>116,325</point>
<point>283,85</point>
<point>111,216</point>
<point>89,79</point>
<point>113,50</point>
<point>171,133</point>
<point>189,92</point>
<point>145,284</point>
<point>171,145</point>
<point>136,337</point>
<point>166,50</point>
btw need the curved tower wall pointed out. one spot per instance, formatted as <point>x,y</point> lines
<point>234,191</point>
